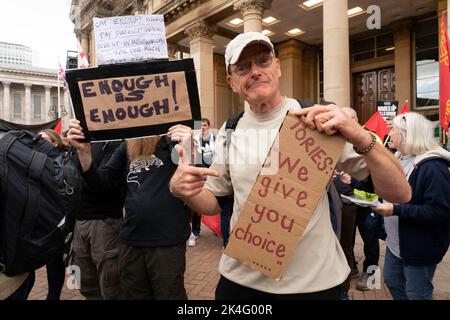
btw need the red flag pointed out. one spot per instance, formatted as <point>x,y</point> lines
<point>378,125</point>
<point>444,76</point>
<point>84,63</point>
<point>58,126</point>
<point>404,109</point>
<point>213,223</point>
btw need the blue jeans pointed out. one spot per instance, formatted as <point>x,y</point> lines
<point>407,282</point>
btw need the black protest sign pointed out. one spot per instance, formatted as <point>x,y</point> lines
<point>387,109</point>
<point>134,99</point>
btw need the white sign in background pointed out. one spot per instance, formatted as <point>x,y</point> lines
<point>130,38</point>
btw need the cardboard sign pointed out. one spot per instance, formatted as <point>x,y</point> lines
<point>134,100</point>
<point>280,206</point>
<point>133,38</point>
<point>387,109</point>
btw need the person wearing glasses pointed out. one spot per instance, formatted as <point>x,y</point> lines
<point>418,231</point>
<point>318,266</point>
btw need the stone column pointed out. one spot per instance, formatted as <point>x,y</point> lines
<point>28,105</point>
<point>201,45</point>
<point>290,54</point>
<point>172,49</point>
<point>85,41</point>
<point>6,101</point>
<point>336,57</point>
<point>252,11</point>
<point>47,103</point>
<point>403,61</point>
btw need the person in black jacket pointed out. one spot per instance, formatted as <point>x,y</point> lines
<point>156,224</point>
<point>95,244</point>
<point>418,231</point>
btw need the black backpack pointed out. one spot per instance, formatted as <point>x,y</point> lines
<point>39,190</point>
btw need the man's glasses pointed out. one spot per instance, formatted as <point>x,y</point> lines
<point>262,61</point>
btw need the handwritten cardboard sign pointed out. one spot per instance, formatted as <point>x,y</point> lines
<point>280,206</point>
<point>130,38</point>
<point>133,100</point>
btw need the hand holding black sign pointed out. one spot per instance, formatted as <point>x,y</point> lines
<point>136,99</point>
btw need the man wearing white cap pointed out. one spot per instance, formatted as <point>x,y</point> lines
<point>318,267</point>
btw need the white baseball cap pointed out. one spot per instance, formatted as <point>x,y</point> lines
<point>238,44</point>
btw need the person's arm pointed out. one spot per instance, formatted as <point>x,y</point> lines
<point>434,207</point>
<point>105,179</point>
<point>387,174</point>
<point>110,175</point>
<point>188,183</point>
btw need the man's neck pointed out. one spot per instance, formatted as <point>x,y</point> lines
<point>266,106</point>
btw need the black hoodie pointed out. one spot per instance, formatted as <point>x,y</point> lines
<point>153,217</point>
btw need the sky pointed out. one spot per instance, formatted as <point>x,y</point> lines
<point>42,25</point>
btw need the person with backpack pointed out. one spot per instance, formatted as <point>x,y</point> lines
<point>152,250</point>
<point>39,193</point>
<point>318,267</point>
<point>204,150</point>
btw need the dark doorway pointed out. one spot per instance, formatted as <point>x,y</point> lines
<point>370,87</point>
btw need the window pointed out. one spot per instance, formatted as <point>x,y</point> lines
<point>373,47</point>
<point>427,62</point>
<point>17,106</point>
<point>37,106</point>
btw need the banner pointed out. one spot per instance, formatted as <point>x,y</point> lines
<point>54,124</point>
<point>444,76</point>
<point>115,102</point>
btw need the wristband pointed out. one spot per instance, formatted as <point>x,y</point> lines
<point>369,147</point>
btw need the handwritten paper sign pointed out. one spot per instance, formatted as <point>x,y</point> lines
<point>280,206</point>
<point>130,38</point>
<point>133,100</point>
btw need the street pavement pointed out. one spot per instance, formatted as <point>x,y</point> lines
<point>201,274</point>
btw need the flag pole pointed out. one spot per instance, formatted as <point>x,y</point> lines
<point>386,141</point>
<point>57,111</point>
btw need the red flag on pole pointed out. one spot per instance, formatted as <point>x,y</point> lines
<point>84,63</point>
<point>377,124</point>
<point>404,108</point>
<point>57,127</point>
<point>444,76</point>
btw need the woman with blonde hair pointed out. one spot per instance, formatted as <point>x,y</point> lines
<point>418,231</point>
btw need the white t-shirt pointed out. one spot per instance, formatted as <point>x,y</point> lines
<point>318,262</point>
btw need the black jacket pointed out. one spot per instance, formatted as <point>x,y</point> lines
<point>95,204</point>
<point>424,222</point>
<point>153,217</point>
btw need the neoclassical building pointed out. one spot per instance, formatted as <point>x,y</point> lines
<point>350,52</point>
<point>28,94</point>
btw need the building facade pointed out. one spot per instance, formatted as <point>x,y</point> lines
<point>28,94</point>
<point>350,52</point>
<point>15,54</point>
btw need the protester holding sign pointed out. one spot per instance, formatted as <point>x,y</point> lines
<point>156,224</point>
<point>318,265</point>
